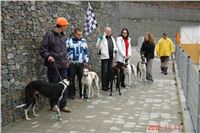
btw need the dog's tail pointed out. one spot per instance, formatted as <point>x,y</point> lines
<point>20,106</point>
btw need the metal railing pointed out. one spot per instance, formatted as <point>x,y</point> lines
<point>189,75</point>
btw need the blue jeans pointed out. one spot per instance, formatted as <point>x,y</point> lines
<point>54,78</point>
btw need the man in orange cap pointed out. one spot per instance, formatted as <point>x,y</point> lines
<point>53,50</point>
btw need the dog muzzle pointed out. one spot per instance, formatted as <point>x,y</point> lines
<point>85,75</point>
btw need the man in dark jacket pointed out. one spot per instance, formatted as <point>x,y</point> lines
<point>53,49</point>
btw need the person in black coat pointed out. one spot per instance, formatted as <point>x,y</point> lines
<point>147,50</point>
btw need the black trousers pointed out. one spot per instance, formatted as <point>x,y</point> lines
<point>106,66</point>
<point>76,69</point>
<point>54,78</point>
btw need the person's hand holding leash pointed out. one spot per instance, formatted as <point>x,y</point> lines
<point>50,59</point>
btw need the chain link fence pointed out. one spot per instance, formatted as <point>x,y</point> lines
<point>189,75</point>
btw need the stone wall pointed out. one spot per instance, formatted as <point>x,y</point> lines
<point>23,26</point>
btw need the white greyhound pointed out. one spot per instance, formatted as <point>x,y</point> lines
<point>87,79</point>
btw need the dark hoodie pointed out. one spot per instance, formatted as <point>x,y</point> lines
<point>54,44</point>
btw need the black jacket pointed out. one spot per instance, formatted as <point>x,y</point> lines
<point>148,50</point>
<point>110,46</point>
<point>54,44</point>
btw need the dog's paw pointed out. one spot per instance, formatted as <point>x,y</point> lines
<point>120,93</point>
<point>60,119</point>
<point>88,100</point>
<point>28,119</point>
<point>128,86</point>
<point>110,95</point>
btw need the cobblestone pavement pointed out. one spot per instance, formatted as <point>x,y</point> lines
<point>151,108</point>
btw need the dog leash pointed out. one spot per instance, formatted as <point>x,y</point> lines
<point>57,71</point>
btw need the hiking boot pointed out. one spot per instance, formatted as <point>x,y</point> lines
<point>105,89</point>
<point>123,85</point>
<point>72,97</point>
<point>66,109</point>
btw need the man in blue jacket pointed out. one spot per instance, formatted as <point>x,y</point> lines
<point>53,50</point>
<point>78,57</point>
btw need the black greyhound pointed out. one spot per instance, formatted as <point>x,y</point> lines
<point>53,91</point>
<point>114,76</point>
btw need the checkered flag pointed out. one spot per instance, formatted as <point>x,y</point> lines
<point>91,22</point>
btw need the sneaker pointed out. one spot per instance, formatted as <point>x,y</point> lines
<point>72,97</point>
<point>86,97</point>
<point>66,109</point>
<point>105,89</point>
<point>149,81</point>
<point>123,85</point>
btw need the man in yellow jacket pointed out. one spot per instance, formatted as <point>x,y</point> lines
<point>164,49</point>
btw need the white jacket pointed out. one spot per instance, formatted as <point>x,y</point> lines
<point>103,46</point>
<point>122,49</point>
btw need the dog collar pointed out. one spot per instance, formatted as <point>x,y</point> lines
<point>63,83</point>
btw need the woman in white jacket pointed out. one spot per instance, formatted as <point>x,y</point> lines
<point>107,46</point>
<point>124,51</point>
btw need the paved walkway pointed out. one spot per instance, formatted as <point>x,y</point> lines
<point>152,108</point>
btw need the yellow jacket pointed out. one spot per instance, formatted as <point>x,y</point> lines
<point>164,47</point>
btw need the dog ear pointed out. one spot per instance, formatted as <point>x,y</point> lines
<point>66,82</point>
<point>87,66</point>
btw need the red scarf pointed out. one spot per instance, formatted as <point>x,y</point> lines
<point>126,45</point>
